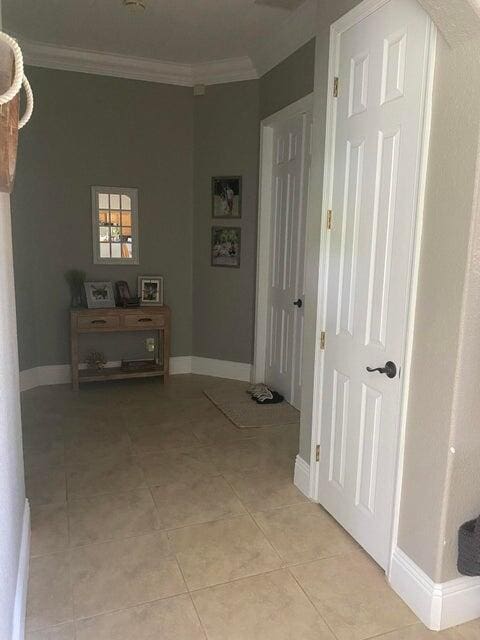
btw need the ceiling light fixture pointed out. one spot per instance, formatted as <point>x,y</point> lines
<point>135,6</point>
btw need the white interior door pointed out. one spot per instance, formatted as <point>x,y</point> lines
<point>382,64</point>
<point>286,299</point>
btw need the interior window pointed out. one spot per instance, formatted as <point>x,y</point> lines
<point>115,225</point>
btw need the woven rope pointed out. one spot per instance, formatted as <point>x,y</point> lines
<point>19,78</point>
<point>29,107</point>
<point>18,75</point>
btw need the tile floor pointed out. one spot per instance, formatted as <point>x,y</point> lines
<point>154,518</point>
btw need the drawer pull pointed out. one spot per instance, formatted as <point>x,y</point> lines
<point>145,320</point>
<point>99,321</point>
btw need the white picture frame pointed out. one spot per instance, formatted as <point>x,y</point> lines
<point>99,295</point>
<point>151,291</point>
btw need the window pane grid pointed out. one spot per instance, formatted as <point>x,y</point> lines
<point>115,226</point>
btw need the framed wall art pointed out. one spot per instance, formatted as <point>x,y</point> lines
<point>227,197</point>
<point>226,246</point>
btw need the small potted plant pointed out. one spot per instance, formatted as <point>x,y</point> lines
<point>75,279</point>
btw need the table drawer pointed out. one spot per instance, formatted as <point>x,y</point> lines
<point>97,323</point>
<point>144,320</point>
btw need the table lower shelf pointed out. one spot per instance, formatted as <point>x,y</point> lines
<point>117,373</point>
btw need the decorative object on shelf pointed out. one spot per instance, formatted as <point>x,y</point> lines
<point>150,290</point>
<point>227,197</point>
<point>96,360</point>
<point>124,299</point>
<point>75,279</point>
<point>99,295</point>
<point>139,365</point>
<point>225,249</point>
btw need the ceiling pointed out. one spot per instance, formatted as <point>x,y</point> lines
<point>180,31</point>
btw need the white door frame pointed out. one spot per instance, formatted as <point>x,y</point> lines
<point>304,105</point>
<point>356,15</point>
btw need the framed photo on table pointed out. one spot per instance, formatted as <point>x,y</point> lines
<point>99,295</point>
<point>150,290</point>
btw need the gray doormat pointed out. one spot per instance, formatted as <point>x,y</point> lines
<point>234,402</point>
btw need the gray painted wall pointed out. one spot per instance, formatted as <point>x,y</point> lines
<point>89,130</point>
<point>227,136</point>
<point>289,81</point>
<point>226,143</point>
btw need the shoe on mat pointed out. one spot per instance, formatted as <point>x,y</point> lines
<point>276,398</point>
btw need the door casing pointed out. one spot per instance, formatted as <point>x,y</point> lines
<point>304,105</point>
<point>356,15</point>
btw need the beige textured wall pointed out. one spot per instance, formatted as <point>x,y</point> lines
<point>12,486</point>
<point>446,229</point>
<point>463,498</point>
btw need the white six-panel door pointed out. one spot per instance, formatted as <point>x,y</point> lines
<point>285,315</point>
<point>382,66</point>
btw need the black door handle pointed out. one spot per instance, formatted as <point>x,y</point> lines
<point>390,369</point>
<point>298,303</point>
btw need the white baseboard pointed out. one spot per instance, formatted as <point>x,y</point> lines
<point>43,376</point>
<point>61,374</point>
<point>438,605</point>
<point>180,364</point>
<point>20,607</point>
<point>222,368</point>
<point>301,477</point>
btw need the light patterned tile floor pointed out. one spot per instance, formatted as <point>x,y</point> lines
<point>153,517</point>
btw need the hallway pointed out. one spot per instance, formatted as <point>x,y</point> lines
<point>153,517</point>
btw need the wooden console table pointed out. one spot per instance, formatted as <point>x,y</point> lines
<point>113,321</point>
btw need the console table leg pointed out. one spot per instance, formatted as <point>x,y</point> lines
<point>74,358</point>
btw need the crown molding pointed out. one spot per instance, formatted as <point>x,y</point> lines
<point>222,71</point>
<point>295,31</point>
<point>41,54</point>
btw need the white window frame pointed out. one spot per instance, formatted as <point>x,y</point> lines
<point>133,195</point>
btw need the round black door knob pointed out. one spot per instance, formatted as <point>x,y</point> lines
<point>298,303</point>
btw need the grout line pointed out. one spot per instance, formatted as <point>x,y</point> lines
<point>384,634</point>
<point>198,616</point>
<point>312,603</point>
<point>242,502</point>
<point>127,608</point>
<point>72,592</point>
<point>239,579</point>
<point>140,535</point>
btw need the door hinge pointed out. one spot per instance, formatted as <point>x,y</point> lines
<point>317,453</point>
<point>335,87</point>
<point>322,340</point>
<point>329,219</point>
